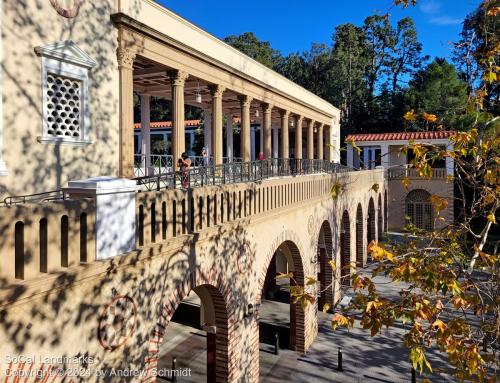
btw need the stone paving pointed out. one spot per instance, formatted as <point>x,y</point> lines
<point>365,359</point>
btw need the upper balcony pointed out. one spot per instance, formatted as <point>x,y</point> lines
<point>401,172</point>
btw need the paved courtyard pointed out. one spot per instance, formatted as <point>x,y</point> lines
<point>365,359</point>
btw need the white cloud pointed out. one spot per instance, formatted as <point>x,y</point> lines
<point>430,7</point>
<point>445,20</point>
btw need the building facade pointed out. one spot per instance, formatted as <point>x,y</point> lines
<point>95,262</point>
<point>409,201</point>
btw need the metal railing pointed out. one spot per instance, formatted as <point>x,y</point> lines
<point>237,172</point>
<point>160,164</point>
<point>55,195</point>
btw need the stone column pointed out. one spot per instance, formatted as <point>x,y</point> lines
<point>320,142</point>
<point>245,102</point>
<point>276,138</point>
<point>266,129</point>
<point>216,91</point>
<point>207,130</point>
<point>285,114</point>
<point>126,57</point>
<point>384,156</point>
<point>146,131</point>
<point>298,136</point>
<point>229,135</point>
<point>178,79</point>
<point>329,143</point>
<point>310,139</point>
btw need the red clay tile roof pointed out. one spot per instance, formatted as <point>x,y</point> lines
<point>400,136</point>
<point>168,124</point>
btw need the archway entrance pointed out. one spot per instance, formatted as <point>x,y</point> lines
<point>197,337</point>
<point>370,220</point>
<point>325,271</point>
<point>345,249</point>
<point>419,209</point>
<point>360,249</point>
<point>278,314</point>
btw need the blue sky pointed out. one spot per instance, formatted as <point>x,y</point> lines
<point>292,25</point>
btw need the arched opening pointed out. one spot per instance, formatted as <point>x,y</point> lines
<point>325,271</point>
<point>360,249</point>
<point>370,222</point>
<point>197,336</point>
<point>345,249</point>
<point>278,314</point>
<point>380,225</point>
<point>419,209</point>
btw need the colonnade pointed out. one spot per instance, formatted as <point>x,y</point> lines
<point>278,146</point>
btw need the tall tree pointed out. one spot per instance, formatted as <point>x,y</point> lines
<point>406,57</point>
<point>259,50</point>
<point>380,41</point>
<point>437,89</point>
<point>349,67</point>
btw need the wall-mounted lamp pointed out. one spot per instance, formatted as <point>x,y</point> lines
<point>292,123</point>
<point>257,113</point>
<point>198,98</point>
<point>250,311</point>
<point>315,130</point>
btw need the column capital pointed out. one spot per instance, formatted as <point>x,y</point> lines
<point>298,118</point>
<point>245,100</point>
<point>126,57</point>
<point>284,113</point>
<point>266,108</point>
<point>178,77</point>
<point>311,122</point>
<point>216,90</point>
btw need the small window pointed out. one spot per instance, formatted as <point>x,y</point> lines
<point>65,71</point>
<point>419,209</point>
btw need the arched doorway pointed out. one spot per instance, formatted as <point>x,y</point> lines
<point>419,209</point>
<point>345,249</point>
<point>275,317</point>
<point>360,249</point>
<point>370,222</point>
<point>380,224</point>
<point>194,331</point>
<point>325,271</point>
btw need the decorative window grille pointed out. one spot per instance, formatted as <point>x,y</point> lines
<point>64,106</point>
<point>65,77</point>
<point>419,209</point>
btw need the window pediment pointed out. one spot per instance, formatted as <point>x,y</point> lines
<point>66,51</point>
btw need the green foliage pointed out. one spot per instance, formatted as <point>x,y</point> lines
<point>259,50</point>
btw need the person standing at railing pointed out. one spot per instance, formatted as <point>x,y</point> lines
<point>261,156</point>
<point>204,154</point>
<point>184,167</point>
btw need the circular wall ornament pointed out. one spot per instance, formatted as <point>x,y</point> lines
<point>117,323</point>
<point>310,225</point>
<point>67,8</point>
<point>244,258</point>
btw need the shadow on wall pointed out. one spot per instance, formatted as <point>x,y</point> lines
<point>35,167</point>
<point>69,319</point>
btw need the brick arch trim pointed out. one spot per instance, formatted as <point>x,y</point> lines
<point>325,268</point>
<point>220,292</point>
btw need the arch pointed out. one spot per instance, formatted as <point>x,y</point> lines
<point>221,307</point>
<point>345,249</point>
<point>360,249</point>
<point>291,243</point>
<point>370,223</point>
<point>418,208</point>
<point>325,275</point>
<point>380,224</point>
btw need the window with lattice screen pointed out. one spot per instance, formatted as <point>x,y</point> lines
<point>419,209</point>
<point>65,77</point>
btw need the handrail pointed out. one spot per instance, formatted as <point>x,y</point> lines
<point>402,172</point>
<point>237,172</point>
<point>54,195</point>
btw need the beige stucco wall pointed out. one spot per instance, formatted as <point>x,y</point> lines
<point>396,157</point>
<point>35,167</point>
<point>65,321</point>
